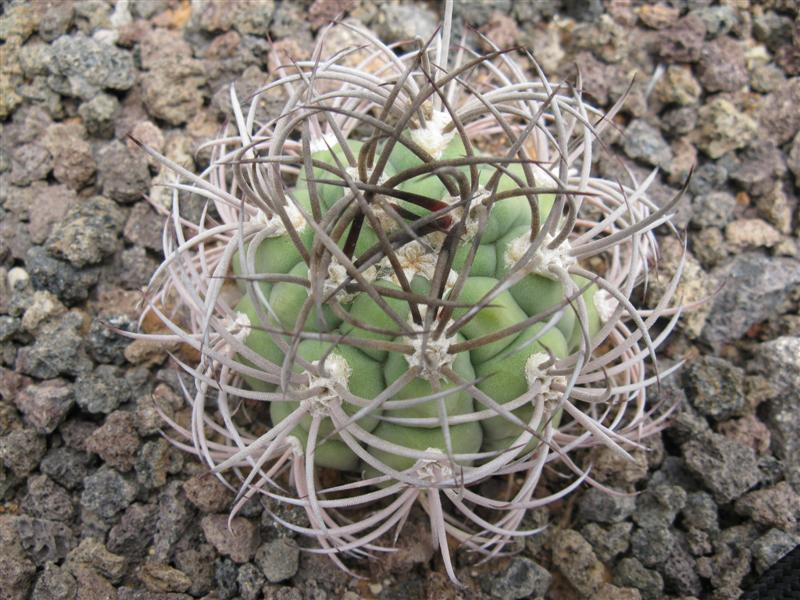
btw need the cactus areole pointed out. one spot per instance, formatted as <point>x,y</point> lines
<point>405,284</point>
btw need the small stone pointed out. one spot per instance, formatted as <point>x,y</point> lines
<point>757,168</point>
<point>69,284</point>
<point>757,286</point>
<point>778,115</point>
<point>502,30</point>
<point>225,574</point>
<point>17,575</point>
<point>171,86</point>
<point>116,441</point>
<point>123,175</point>
<point>698,542</point>
<point>29,163</point>
<point>89,232</point>
<point>613,469</point>
<point>715,387</point>
<point>700,512</point>
<point>708,245</point>
<point>82,67</point>
<point>709,177</point>
<point>793,161</point>
<point>653,545</point>
<point>247,17</point>
<point>713,210</point>
<point>208,493</point>
<point>278,560</point>
<point>47,500</point>
<point>144,227</point>
<point>73,163</point>
<point>396,22</point>
<point>102,391</point>
<point>723,128</point>
<point>21,451</point>
<point>677,86</point>
<point>74,433</point>
<point>577,562</point>
<point>776,506</point>
<point>91,552</point>
<point>611,591</point>
<point>608,542</point>
<point>93,586</point>
<point>162,579</point>
<point>643,142</point>
<point>106,493</point>
<point>678,121</point>
<point>600,506</point>
<point>44,540</point>
<point>35,59</point>
<point>722,65</point>
<point>198,563</point>
<point>695,285</point>
<point>521,578</point>
<point>134,533</point>
<point>727,469</point>
<point>775,207</point>
<point>747,431</point>
<point>771,547</point>
<point>766,78</point>
<point>659,505</point>
<point>658,16</point>
<point>156,459</point>
<point>683,42</point>
<point>250,580</point>
<point>239,542</point>
<point>719,20</point>
<point>680,573</point>
<point>175,514</point>
<point>773,29</point>
<point>98,115</point>
<point>66,466</point>
<point>149,134</point>
<point>106,345</point>
<point>136,268</point>
<point>56,18</point>
<point>43,306</point>
<point>45,405</point>
<point>55,583</point>
<point>731,560</point>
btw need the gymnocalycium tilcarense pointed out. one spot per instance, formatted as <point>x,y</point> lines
<point>405,281</point>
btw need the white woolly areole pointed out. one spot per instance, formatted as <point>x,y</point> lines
<point>605,304</point>
<point>337,373</point>
<point>431,355</point>
<point>238,326</point>
<point>327,141</point>
<point>433,470</point>
<point>535,374</point>
<point>337,275</point>
<point>414,260</point>
<point>471,225</point>
<point>295,446</point>
<point>432,138</point>
<point>275,225</point>
<point>544,260</point>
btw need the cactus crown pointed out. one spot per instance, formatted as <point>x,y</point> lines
<point>393,276</point>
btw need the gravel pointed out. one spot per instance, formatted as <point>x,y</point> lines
<point>100,505</point>
<point>521,578</point>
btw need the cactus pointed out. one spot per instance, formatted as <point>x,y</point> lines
<point>410,279</point>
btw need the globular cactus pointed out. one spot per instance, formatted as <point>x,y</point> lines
<point>411,278</point>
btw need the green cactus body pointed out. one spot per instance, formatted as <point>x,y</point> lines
<point>499,365</point>
<point>432,290</point>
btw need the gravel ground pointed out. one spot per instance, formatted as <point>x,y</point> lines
<point>94,503</point>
